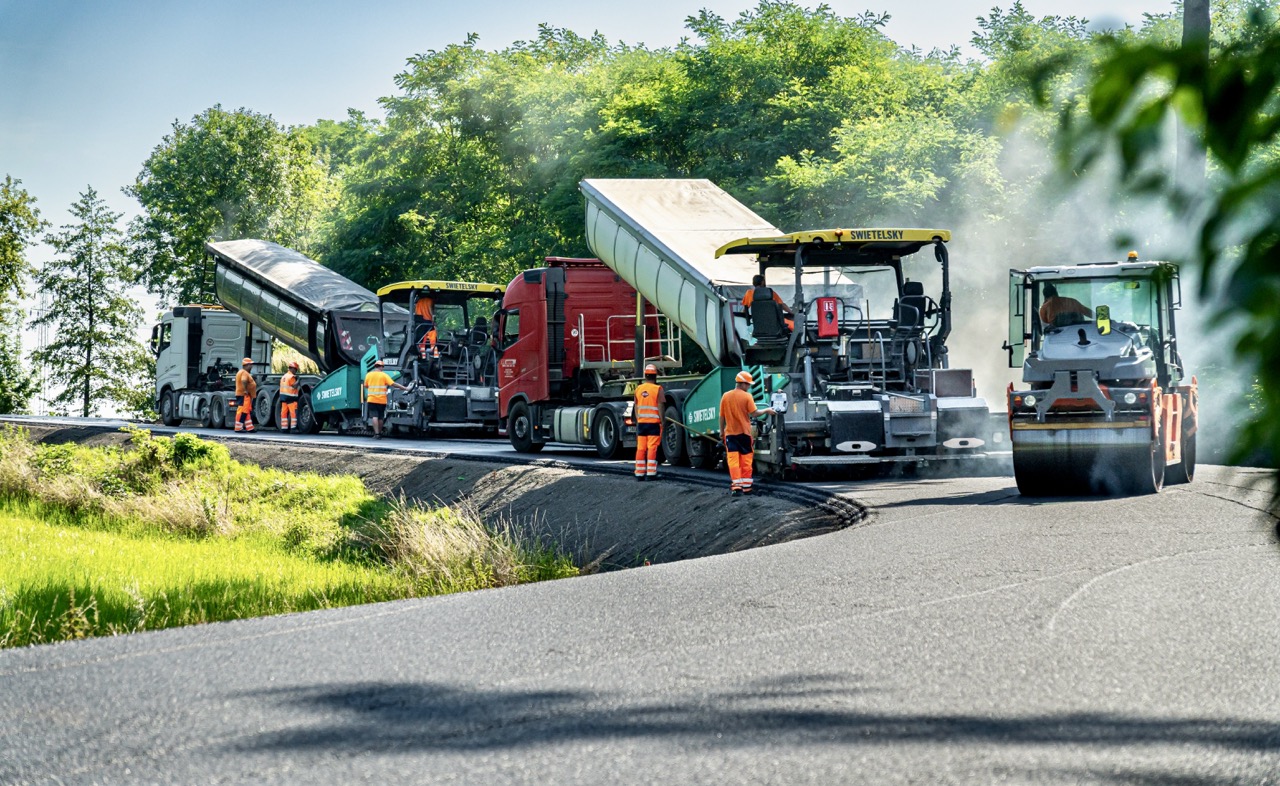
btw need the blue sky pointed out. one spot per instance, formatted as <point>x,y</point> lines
<point>87,89</point>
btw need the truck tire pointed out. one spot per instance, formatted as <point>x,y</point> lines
<point>264,409</point>
<point>203,414</point>
<point>218,412</point>
<point>520,429</point>
<point>169,409</point>
<point>606,434</point>
<point>308,423</point>
<point>702,453</point>
<point>673,438</point>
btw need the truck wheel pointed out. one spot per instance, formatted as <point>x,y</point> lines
<point>307,421</point>
<point>218,413</point>
<point>203,414</point>
<point>1184,471</point>
<point>673,438</point>
<point>606,434</point>
<point>520,429</point>
<point>703,453</point>
<point>264,409</point>
<point>169,409</point>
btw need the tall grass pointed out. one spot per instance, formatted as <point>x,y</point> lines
<point>172,531</point>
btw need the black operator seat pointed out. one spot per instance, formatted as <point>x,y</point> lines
<point>766,318</point>
<point>912,305</point>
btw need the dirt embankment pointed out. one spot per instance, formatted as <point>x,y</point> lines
<point>606,521</point>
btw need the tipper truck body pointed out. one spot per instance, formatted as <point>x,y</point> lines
<point>570,353</point>
<point>1106,404</point>
<point>860,376</point>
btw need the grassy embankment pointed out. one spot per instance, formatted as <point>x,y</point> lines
<point>172,531</point>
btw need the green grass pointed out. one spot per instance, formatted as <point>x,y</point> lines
<point>172,531</point>
<point>68,576</point>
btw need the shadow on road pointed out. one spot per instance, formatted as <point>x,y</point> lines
<point>368,717</point>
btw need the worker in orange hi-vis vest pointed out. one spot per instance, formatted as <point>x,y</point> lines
<point>246,391</point>
<point>289,399</point>
<point>736,410</point>
<point>648,414</point>
<point>424,310</point>
<point>377,384</point>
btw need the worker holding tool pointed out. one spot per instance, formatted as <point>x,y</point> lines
<point>737,407</point>
<point>377,383</point>
<point>289,399</point>
<point>649,400</point>
<point>246,391</point>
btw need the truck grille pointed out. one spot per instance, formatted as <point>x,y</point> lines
<point>907,405</point>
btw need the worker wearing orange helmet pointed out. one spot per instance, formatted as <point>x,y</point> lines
<point>289,399</point>
<point>649,401</point>
<point>246,391</point>
<point>737,407</point>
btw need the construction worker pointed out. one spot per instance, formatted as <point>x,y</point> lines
<point>1060,311</point>
<point>246,391</point>
<point>737,407</point>
<point>377,383</point>
<point>759,290</point>
<point>424,310</point>
<point>289,399</point>
<point>649,401</point>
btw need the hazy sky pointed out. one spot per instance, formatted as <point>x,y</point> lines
<point>87,89</point>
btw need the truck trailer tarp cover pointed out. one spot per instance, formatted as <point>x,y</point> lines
<point>302,280</point>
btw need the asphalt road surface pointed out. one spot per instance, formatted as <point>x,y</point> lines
<point>960,635</point>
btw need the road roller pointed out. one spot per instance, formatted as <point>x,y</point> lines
<point>1106,405</point>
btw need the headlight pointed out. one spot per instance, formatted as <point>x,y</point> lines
<point>1131,398</point>
<point>1029,400</point>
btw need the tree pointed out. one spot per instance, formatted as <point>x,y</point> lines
<point>20,225</point>
<point>1229,105</point>
<point>93,354</point>
<point>223,176</point>
<point>17,386</point>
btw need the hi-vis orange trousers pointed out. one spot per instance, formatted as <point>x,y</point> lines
<point>648,437</point>
<point>288,414</point>
<point>244,414</point>
<point>739,456</point>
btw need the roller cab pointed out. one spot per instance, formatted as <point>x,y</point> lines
<point>1106,405</point>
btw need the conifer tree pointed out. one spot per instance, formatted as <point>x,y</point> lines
<point>93,322</point>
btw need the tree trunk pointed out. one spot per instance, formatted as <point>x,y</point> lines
<point>1190,171</point>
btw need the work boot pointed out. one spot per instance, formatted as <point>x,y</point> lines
<point>640,478</point>
<point>735,492</point>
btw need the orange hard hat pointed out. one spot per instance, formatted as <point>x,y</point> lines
<point>293,364</point>
<point>650,369</point>
<point>246,361</point>
<point>744,376</point>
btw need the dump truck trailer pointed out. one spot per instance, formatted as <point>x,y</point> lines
<point>571,348</point>
<point>862,376</point>
<point>1106,404</point>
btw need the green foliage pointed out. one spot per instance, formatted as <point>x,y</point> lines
<point>20,225</point>
<point>175,532</point>
<point>17,385</point>
<point>1229,103</point>
<point>225,175</point>
<point>92,318</point>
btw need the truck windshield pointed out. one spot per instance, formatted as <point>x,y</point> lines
<point>865,292</point>
<point>1132,301</point>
